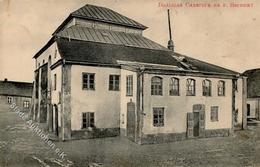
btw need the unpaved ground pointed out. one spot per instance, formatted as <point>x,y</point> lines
<point>20,148</point>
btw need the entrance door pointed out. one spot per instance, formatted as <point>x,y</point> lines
<point>248,109</point>
<point>196,121</point>
<point>196,128</point>
<point>130,125</point>
<point>55,120</point>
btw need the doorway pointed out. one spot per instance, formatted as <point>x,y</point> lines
<point>248,109</point>
<point>196,127</point>
<point>55,120</point>
<point>196,121</point>
<point>130,124</point>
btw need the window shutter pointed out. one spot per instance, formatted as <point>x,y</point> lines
<point>190,125</point>
<point>202,121</point>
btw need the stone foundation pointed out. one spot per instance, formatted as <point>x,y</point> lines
<point>171,137</point>
<point>162,138</point>
<point>217,132</point>
<point>95,133</point>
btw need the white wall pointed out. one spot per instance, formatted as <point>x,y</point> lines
<point>55,93</point>
<point>104,103</point>
<point>238,99</point>
<point>253,107</point>
<point>51,51</point>
<point>177,107</point>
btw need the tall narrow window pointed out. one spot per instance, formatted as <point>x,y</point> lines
<point>174,87</point>
<point>88,81</point>
<point>156,86</point>
<point>158,116</point>
<point>9,100</point>
<point>214,114</point>
<point>129,85</point>
<point>206,87</point>
<point>88,120</point>
<point>26,104</point>
<point>114,82</point>
<point>191,85</point>
<point>55,82</point>
<point>221,88</point>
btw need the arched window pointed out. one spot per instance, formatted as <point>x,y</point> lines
<point>206,87</point>
<point>221,88</point>
<point>174,87</point>
<point>156,85</point>
<point>191,85</point>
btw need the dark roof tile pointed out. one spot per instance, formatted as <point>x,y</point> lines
<point>102,53</point>
<point>109,37</point>
<point>12,88</point>
<point>105,15</point>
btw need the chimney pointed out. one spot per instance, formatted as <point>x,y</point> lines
<point>6,80</point>
<point>170,42</point>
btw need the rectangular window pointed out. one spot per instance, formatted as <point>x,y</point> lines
<point>88,120</point>
<point>55,82</point>
<point>9,100</point>
<point>26,104</point>
<point>88,81</point>
<point>129,85</point>
<point>214,113</point>
<point>158,117</point>
<point>114,82</point>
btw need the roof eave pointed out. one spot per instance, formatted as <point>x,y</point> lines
<point>47,45</point>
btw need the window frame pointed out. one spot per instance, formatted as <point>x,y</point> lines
<point>214,113</point>
<point>129,85</point>
<point>223,88</point>
<point>172,86</point>
<point>26,104</point>
<point>89,85</point>
<point>188,86</point>
<point>114,86</point>
<point>206,89</point>
<point>156,89</point>
<point>158,111</point>
<point>11,99</point>
<point>89,122</point>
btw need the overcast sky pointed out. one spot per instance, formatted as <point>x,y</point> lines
<point>228,37</point>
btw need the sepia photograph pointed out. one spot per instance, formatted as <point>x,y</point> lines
<point>129,83</point>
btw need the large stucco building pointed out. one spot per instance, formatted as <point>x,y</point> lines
<point>253,93</point>
<point>98,76</point>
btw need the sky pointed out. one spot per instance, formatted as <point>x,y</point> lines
<point>225,36</point>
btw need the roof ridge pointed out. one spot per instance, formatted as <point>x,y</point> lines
<point>109,17</point>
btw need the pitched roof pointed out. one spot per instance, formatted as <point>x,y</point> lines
<point>108,37</point>
<point>102,53</point>
<point>13,88</point>
<point>105,15</point>
<point>253,82</point>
